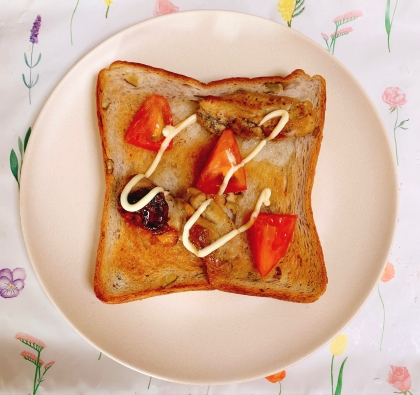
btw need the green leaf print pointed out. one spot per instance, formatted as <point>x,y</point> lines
<point>14,164</point>
<point>340,379</point>
<point>20,144</point>
<point>387,18</point>
<point>27,135</point>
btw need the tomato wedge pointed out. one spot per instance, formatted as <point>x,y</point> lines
<point>224,156</point>
<point>146,128</point>
<point>270,236</point>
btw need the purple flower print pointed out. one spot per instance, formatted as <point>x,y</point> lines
<point>35,30</point>
<point>11,282</point>
<point>29,62</point>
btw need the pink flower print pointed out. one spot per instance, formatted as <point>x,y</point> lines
<point>49,364</point>
<point>394,97</point>
<point>11,282</point>
<point>338,21</point>
<point>165,7</point>
<point>341,32</point>
<point>388,273</point>
<point>399,377</point>
<point>38,346</point>
<point>32,358</point>
<point>349,16</point>
<point>30,341</point>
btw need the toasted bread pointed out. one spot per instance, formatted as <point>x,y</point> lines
<point>133,263</point>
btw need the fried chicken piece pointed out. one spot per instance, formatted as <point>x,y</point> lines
<point>243,111</point>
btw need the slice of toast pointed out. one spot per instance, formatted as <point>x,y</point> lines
<point>133,263</point>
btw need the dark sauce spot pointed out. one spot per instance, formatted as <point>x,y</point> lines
<point>153,216</point>
<point>199,237</point>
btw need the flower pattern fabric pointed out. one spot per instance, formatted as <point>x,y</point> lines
<point>38,346</point>
<point>11,282</point>
<point>35,30</point>
<point>164,7</point>
<point>338,345</point>
<point>338,21</point>
<point>388,273</point>
<point>398,282</point>
<point>33,38</point>
<point>400,378</point>
<point>274,378</point>
<point>30,341</point>
<point>394,97</point>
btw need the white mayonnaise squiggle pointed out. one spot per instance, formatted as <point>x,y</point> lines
<point>169,132</point>
<point>279,127</point>
<point>263,198</point>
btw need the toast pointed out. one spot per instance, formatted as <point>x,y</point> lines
<point>134,263</point>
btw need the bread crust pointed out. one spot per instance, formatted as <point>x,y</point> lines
<point>128,265</point>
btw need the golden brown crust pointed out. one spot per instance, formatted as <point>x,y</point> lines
<point>232,81</point>
<point>124,274</point>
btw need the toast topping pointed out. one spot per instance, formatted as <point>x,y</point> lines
<point>224,156</point>
<point>242,112</point>
<point>269,239</point>
<point>263,198</point>
<point>276,131</point>
<point>146,128</point>
<point>150,207</point>
<point>153,216</point>
<point>169,132</point>
<point>137,204</point>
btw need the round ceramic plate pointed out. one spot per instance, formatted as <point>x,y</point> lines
<point>208,337</point>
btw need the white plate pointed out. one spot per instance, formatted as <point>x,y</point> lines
<point>208,337</point>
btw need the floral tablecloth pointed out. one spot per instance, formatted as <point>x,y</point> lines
<point>378,41</point>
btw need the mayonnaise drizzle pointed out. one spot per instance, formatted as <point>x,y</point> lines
<point>263,198</point>
<point>284,119</point>
<point>169,132</point>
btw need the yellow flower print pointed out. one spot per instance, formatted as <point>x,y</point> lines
<point>290,9</point>
<point>107,3</point>
<point>338,345</point>
<point>286,8</point>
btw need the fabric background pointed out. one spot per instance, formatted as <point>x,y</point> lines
<point>383,356</point>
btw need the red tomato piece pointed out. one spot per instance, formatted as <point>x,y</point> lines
<point>270,236</point>
<point>224,156</point>
<point>145,130</point>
